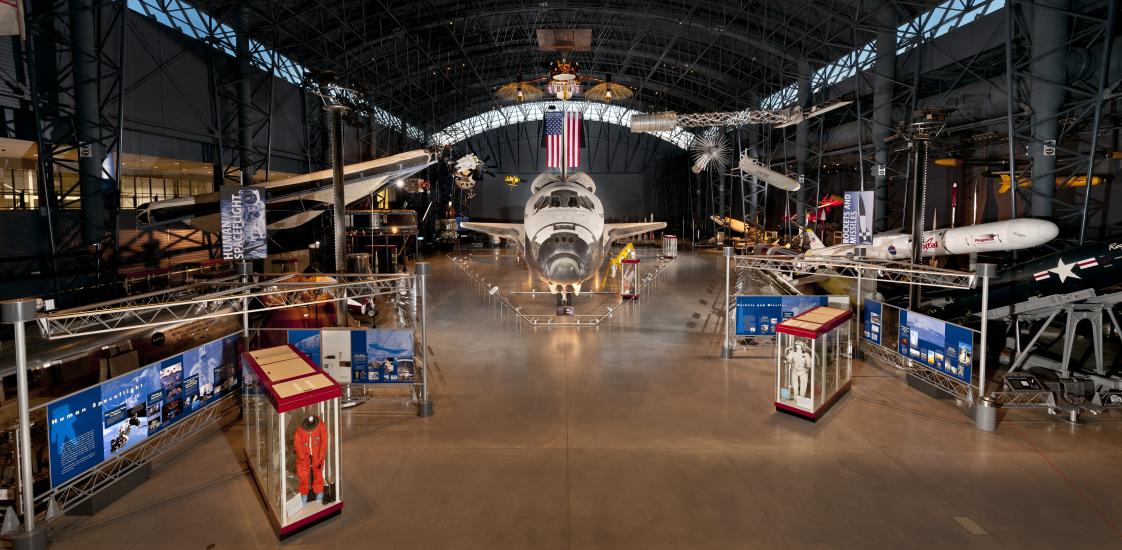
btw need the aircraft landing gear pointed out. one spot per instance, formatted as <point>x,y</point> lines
<point>564,299</point>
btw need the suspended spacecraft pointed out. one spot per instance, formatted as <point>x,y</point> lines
<point>1000,236</point>
<point>291,202</point>
<point>563,239</point>
<point>752,167</point>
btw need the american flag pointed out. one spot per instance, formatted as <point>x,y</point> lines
<point>553,128</point>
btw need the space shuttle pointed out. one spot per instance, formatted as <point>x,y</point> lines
<point>563,237</point>
<point>294,201</point>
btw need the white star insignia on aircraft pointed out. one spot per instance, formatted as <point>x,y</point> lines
<point>1064,270</point>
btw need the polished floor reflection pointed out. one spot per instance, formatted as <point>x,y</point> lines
<point>637,435</point>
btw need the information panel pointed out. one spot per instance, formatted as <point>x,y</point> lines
<point>381,356</point>
<point>871,322</point>
<point>307,341</point>
<point>758,315</point>
<point>91,426</point>
<point>938,345</point>
<point>366,356</point>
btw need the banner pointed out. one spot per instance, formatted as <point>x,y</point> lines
<point>243,223</point>
<point>936,344</point>
<point>758,315</point>
<point>871,322</point>
<point>89,427</point>
<point>857,217</point>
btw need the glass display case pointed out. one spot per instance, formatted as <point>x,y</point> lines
<point>291,411</point>
<point>813,361</point>
<point>629,278</point>
<point>669,246</point>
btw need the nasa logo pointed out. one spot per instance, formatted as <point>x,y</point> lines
<point>158,338</point>
<point>892,250</point>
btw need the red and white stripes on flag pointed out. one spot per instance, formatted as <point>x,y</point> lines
<point>553,138</point>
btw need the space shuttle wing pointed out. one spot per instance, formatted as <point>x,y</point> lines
<point>616,231</point>
<point>509,231</point>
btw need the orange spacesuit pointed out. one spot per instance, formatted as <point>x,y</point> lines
<point>310,445</point>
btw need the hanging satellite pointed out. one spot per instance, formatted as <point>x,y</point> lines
<point>465,169</point>
<point>519,90</point>
<point>710,151</point>
<point>564,80</point>
<point>607,90</point>
<point>512,181</point>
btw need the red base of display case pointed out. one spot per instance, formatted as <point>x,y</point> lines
<point>311,520</point>
<point>814,416</point>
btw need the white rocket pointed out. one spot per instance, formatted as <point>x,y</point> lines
<point>987,237</point>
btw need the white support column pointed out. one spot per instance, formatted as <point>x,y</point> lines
<point>424,407</point>
<point>16,313</point>
<point>730,307</point>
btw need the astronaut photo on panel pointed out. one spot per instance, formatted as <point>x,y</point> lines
<point>797,360</point>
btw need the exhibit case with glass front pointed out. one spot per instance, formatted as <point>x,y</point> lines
<point>813,361</point>
<point>629,278</point>
<point>291,411</point>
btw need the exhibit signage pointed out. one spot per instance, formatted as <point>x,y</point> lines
<point>857,217</point>
<point>243,228</point>
<point>89,427</point>
<point>307,341</point>
<point>871,319</point>
<point>366,356</point>
<point>758,315</point>
<point>936,344</point>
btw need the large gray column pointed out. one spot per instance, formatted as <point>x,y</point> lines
<point>87,116</point>
<point>802,139</point>
<point>884,77</point>
<point>245,96</point>
<point>1047,95</point>
<point>753,181</point>
<point>340,211</point>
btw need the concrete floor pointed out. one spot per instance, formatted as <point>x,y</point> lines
<point>639,436</point>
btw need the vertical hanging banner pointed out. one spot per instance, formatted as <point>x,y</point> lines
<point>243,224</point>
<point>857,217</point>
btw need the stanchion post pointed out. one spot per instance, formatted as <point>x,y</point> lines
<point>726,349</point>
<point>245,269</point>
<point>985,271</point>
<point>858,352</point>
<point>424,407</point>
<point>16,313</point>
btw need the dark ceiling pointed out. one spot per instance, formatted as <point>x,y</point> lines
<point>434,62</point>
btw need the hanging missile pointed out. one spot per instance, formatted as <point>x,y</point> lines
<point>752,167</point>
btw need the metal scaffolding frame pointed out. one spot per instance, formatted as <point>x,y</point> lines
<point>886,271</point>
<point>212,299</point>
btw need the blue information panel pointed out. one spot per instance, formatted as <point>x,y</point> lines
<point>382,356</point>
<point>871,322</point>
<point>98,423</point>
<point>758,315</point>
<point>307,341</point>
<point>937,344</point>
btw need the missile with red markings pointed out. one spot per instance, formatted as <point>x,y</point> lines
<point>1000,236</point>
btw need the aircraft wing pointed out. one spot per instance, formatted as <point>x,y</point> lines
<point>616,231</point>
<point>510,231</point>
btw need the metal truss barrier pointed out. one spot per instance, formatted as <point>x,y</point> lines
<point>887,271</point>
<point>213,299</point>
<point>585,320</point>
<point>73,493</point>
<point>937,380</point>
